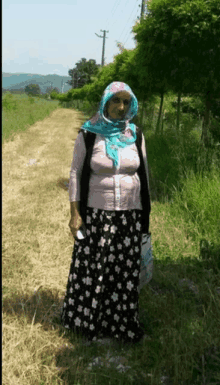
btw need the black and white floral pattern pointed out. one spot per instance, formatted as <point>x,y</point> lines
<point>102,296</point>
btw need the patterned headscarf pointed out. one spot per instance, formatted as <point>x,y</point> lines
<point>112,129</point>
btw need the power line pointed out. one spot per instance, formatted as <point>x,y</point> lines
<point>143,5</point>
<point>128,20</point>
<point>125,26</point>
<point>112,13</point>
<point>116,19</point>
<point>116,7</point>
<point>128,34</point>
<point>126,39</point>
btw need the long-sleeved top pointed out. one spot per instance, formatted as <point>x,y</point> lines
<point>110,188</point>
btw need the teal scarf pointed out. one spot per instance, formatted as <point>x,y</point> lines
<point>112,130</point>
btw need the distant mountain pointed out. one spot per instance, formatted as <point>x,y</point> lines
<point>18,81</point>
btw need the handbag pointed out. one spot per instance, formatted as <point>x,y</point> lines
<point>146,261</point>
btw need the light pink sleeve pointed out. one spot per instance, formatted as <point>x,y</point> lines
<point>79,154</point>
<point>144,152</point>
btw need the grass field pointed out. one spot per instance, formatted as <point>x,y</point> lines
<point>180,308</point>
<point>21,111</point>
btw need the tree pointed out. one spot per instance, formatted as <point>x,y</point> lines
<point>49,90</point>
<point>83,72</point>
<point>52,89</point>
<point>179,49</point>
<point>33,89</point>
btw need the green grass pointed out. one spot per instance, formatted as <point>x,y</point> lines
<point>20,112</point>
<point>182,326</point>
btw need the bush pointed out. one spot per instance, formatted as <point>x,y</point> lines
<point>31,99</point>
<point>215,108</point>
<point>193,105</point>
<point>54,95</point>
<point>9,103</point>
<point>198,201</point>
<point>215,129</point>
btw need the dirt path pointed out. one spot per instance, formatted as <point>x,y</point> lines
<point>36,166</point>
<point>41,142</point>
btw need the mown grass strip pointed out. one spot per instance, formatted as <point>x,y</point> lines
<point>20,112</point>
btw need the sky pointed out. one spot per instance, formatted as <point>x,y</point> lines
<point>50,36</point>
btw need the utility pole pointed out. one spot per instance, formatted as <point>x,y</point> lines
<point>63,85</point>
<point>142,8</point>
<point>103,47</point>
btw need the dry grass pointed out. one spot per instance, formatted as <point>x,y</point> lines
<point>37,246</point>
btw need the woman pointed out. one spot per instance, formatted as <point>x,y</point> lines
<point>101,296</point>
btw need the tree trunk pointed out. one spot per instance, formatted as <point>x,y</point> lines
<point>162,122</point>
<point>160,113</point>
<point>152,114</point>
<point>206,121</point>
<point>178,112</point>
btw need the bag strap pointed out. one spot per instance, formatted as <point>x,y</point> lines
<point>89,139</point>
<point>88,136</point>
<point>139,136</point>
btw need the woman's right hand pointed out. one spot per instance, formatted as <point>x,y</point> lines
<point>75,223</point>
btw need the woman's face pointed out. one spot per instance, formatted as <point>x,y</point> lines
<point>118,105</point>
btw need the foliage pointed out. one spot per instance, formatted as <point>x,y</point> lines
<point>33,89</point>
<point>123,69</point>
<point>201,195</point>
<point>104,78</point>
<point>30,99</point>
<point>55,89</point>
<point>54,95</point>
<point>191,104</point>
<point>215,129</point>
<point>21,111</point>
<point>14,91</point>
<point>172,39</point>
<point>91,92</point>
<point>178,44</point>
<point>83,72</point>
<point>52,89</point>
<point>9,102</point>
<point>215,108</point>
<point>178,49</point>
<point>127,70</point>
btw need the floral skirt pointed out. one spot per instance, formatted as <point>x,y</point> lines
<point>102,290</point>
